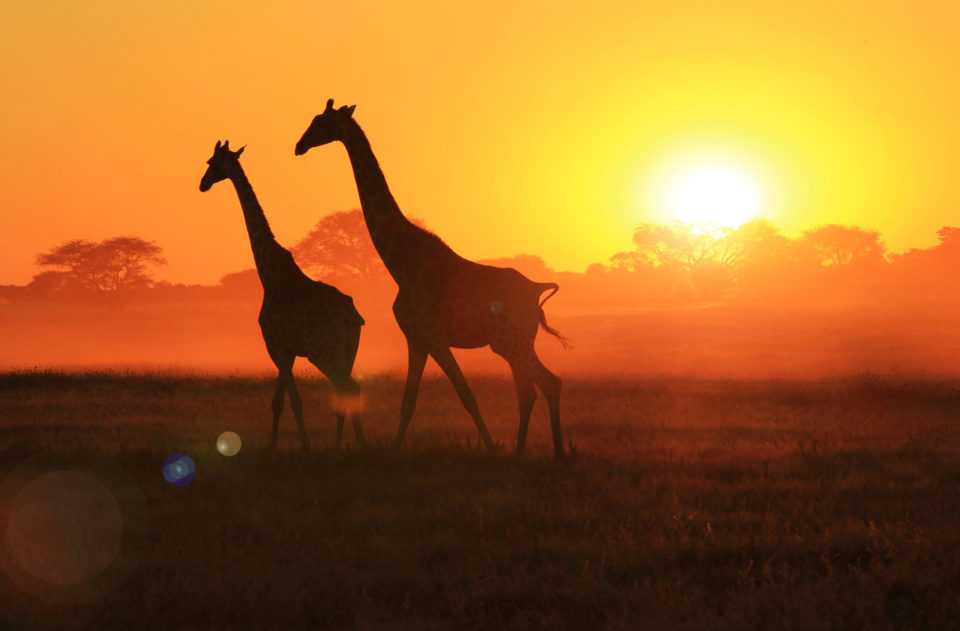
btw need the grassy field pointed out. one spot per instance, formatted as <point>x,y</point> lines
<point>686,504</point>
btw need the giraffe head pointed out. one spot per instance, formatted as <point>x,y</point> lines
<point>221,164</point>
<point>326,127</point>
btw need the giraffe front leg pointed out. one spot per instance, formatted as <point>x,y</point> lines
<point>296,404</point>
<point>284,363</point>
<point>448,363</point>
<point>416,361</point>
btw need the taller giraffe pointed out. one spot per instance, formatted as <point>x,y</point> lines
<point>444,300</point>
<point>300,317</point>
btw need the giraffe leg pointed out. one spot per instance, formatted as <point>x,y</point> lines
<point>448,363</point>
<point>347,388</point>
<point>351,356</point>
<point>296,404</point>
<point>350,388</point>
<point>526,395</point>
<point>550,384</point>
<point>284,363</point>
<point>277,407</point>
<point>416,360</point>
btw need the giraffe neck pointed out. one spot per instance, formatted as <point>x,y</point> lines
<point>262,241</point>
<point>393,235</point>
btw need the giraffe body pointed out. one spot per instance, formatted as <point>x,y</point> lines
<point>299,316</point>
<point>444,300</point>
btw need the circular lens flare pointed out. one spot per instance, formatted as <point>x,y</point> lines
<point>74,526</point>
<point>44,538</point>
<point>228,444</point>
<point>179,469</point>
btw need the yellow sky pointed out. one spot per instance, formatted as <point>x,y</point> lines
<point>509,127</point>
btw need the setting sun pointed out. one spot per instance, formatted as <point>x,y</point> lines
<point>712,193</point>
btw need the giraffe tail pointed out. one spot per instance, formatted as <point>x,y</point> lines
<point>542,287</point>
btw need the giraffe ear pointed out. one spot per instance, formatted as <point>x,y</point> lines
<point>239,151</point>
<point>350,110</point>
<point>329,104</point>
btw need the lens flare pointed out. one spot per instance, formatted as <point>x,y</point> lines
<point>179,469</point>
<point>75,524</point>
<point>346,404</point>
<point>228,443</point>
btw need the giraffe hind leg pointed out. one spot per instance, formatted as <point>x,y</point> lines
<point>350,357</point>
<point>347,398</point>
<point>349,391</point>
<point>448,363</point>
<point>550,384</point>
<point>526,396</point>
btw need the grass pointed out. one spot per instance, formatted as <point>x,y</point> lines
<point>687,504</point>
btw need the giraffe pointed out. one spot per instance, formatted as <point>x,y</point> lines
<point>299,317</point>
<point>444,300</point>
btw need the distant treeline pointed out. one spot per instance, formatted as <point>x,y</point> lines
<point>675,263</point>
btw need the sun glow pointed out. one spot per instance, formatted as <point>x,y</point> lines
<point>712,193</point>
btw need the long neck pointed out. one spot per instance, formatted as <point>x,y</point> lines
<point>389,229</point>
<point>262,241</point>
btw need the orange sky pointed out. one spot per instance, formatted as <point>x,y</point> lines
<point>509,127</point>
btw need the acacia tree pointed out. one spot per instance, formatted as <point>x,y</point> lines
<point>711,260</point>
<point>339,248</point>
<point>113,265</point>
<point>949,237</point>
<point>938,262</point>
<point>834,244</point>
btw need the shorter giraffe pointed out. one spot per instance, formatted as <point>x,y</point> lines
<point>300,317</point>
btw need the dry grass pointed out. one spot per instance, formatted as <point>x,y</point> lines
<point>687,504</point>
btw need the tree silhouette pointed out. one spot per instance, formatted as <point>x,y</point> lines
<point>759,242</point>
<point>707,259</point>
<point>687,246</point>
<point>834,244</point>
<point>704,258</point>
<point>338,247</point>
<point>113,265</point>
<point>949,237</point>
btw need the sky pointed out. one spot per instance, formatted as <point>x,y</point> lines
<point>510,128</point>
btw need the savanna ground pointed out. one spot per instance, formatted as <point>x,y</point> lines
<point>686,504</point>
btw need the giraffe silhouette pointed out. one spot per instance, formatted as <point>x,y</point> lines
<point>300,317</point>
<point>444,300</point>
